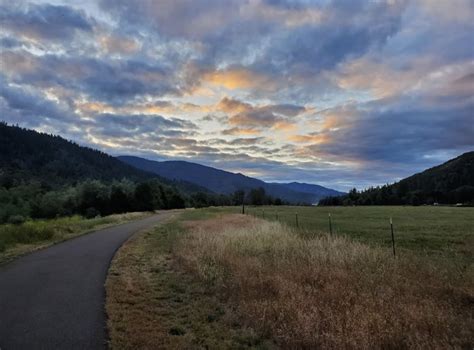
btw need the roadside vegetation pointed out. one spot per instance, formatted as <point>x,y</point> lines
<point>154,303</point>
<point>88,198</point>
<point>215,279</point>
<point>23,237</point>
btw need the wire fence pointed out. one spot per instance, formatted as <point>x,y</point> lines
<point>317,222</point>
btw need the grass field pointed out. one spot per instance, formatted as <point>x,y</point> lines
<point>16,240</point>
<point>211,278</point>
<point>153,303</point>
<point>436,231</point>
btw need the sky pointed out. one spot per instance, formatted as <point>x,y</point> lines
<point>338,93</point>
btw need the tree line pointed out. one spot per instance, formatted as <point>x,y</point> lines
<point>89,198</point>
<point>449,183</point>
<point>93,198</point>
<point>400,195</point>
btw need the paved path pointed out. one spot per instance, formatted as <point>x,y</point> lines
<point>54,298</point>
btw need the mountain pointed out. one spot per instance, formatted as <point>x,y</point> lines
<point>28,155</point>
<point>449,183</point>
<point>316,190</point>
<point>221,181</point>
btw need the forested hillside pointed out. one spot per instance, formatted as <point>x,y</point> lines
<point>44,176</point>
<point>52,160</point>
<point>449,183</point>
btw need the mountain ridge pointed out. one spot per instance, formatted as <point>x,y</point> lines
<point>222,181</point>
<point>53,160</point>
<point>451,182</point>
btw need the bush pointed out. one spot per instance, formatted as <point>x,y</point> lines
<point>91,213</point>
<point>16,219</point>
<point>25,233</point>
<point>30,233</point>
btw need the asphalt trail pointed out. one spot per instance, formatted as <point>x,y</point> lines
<point>54,298</point>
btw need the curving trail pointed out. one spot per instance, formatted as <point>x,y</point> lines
<point>54,298</point>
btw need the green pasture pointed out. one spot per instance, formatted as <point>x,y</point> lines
<point>433,230</point>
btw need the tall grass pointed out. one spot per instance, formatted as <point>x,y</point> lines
<point>24,233</point>
<point>35,233</point>
<point>330,292</point>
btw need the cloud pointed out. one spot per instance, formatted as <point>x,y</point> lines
<point>111,80</point>
<point>397,131</point>
<point>30,107</point>
<point>255,118</point>
<point>10,43</point>
<point>267,44</point>
<point>119,45</point>
<point>240,131</point>
<point>312,138</point>
<point>44,21</point>
<point>232,106</point>
<point>263,116</point>
<point>235,78</point>
<point>141,123</point>
<point>337,92</point>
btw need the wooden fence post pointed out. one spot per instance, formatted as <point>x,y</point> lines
<point>393,236</point>
<point>330,224</point>
<point>297,224</point>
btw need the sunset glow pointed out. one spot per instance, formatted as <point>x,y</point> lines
<point>282,90</point>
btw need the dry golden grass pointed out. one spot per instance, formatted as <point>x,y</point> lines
<point>329,292</point>
<point>153,304</point>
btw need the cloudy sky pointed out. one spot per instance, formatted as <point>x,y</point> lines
<point>340,93</point>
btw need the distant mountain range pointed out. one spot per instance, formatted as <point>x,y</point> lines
<point>220,181</point>
<point>28,155</point>
<point>317,190</point>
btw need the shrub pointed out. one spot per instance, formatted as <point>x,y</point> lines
<point>16,219</point>
<point>26,233</point>
<point>91,213</point>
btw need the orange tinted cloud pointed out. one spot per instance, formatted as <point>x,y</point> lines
<point>233,106</point>
<point>115,44</point>
<point>241,131</point>
<point>284,126</point>
<point>159,107</point>
<point>93,107</point>
<point>234,78</point>
<point>382,78</point>
<point>278,117</point>
<point>13,62</point>
<point>312,138</point>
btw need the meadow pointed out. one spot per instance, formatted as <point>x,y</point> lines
<point>263,283</point>
<point>438,231</point>
<point>22,238</point>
